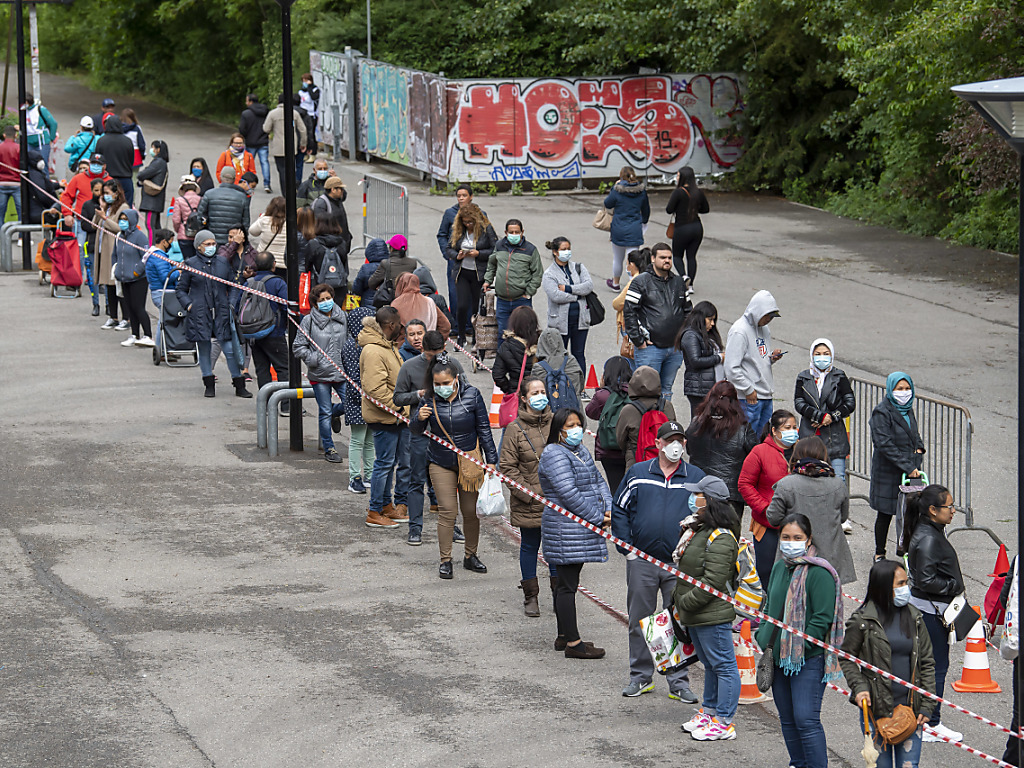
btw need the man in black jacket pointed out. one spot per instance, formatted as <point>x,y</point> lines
<point>257,142</point>
<point>655,310</point>
<point>119,152</point>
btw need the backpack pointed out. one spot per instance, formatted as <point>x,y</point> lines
<point>256,317</point>
<point>331,269</point>
<point>747,590</point>
<point>606,436</point>
<point>650,422</point>
<point>561,392</point>
<point>194,222</point>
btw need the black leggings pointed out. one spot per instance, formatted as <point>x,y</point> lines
<point>685,242</point>
<point>614,471</point>
<point>694,404</point>
<point>114,301</point>
<point>567,582</point>
<point>467,291</point>
<point>135,294</point>
<point>882,523</point>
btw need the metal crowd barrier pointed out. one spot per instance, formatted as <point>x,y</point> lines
<point>385,208</point>
<point>946,429</point>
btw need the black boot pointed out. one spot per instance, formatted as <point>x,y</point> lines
<point>240,390</point>
<point>211,387</point>
<point>554,583</point>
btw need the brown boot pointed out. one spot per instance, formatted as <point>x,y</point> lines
<point>399,514</point>
<point>554,583</point>
<point>375,520</point>
<point>583,651</point>
<point>530,589</point>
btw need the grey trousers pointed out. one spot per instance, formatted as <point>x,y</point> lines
<point>643,583</point>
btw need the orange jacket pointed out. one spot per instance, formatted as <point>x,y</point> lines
<point>79,190</point>
<point>242,164</point>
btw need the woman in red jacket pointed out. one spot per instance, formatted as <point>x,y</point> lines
<point>763,468</point>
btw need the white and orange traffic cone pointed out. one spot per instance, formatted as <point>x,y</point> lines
<point>749,693</point>
<point>496,397</point>
<point>976,677</point>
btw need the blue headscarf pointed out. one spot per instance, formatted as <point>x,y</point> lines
<point>890,384</point>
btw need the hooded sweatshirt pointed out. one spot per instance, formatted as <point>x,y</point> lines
<point>748,364</point>
<point>117,149</point>
<point>644,393</point>
<point>551,350</point>
<point>129,249</point>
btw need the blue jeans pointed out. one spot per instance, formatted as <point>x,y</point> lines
<point>206,365</point>
<point>262,154</point>
<point>503,308</point>
<point>322,392</point>
<point>87,273</point>
<point>665,361</point>
<point>839,465</point>
<point>8,191</point>
<point>798,700</point>
<point>940,648</point>
<point>721,675</point>
<point>157,298</point>
<point>418,445</point>
<point>758,415</point>
<point>453,302</point>
<point>403,475</point>
<point>529,548</point>
<point>44,150</point>
<point>907,754</point>
<point>128,185</point>
<point>385,447</point>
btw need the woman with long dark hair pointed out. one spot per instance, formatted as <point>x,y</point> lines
<point>686,203</point>
<point>703,353</point>
<point>719,439</point>
<point>133,131</point>
<point>201,173</point>
<point>329,234</point>
<point>107,229</point>
<point>157,173</point>
<point>470,246</point>
<point>637,261</point>
<point>612,395</point>
<point>520,343</point>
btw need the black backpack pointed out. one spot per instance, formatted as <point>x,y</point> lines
<point>256,317</point>
<point>193,222</point>
<point>332,270</point>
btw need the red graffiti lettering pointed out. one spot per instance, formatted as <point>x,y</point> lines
<point>638,93</point>
<point>604,92</point>
<point>554,121</point>
<point>493,122</point>
<point>711,101</point>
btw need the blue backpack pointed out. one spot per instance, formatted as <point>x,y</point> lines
<point>561,392</point>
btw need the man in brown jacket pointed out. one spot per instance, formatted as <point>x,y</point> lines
<point>379,364</point>
<point>644,394</point>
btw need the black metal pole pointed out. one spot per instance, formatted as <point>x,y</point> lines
<point>292,244</point>
<point>26,239</point>
<point>1020,443</point>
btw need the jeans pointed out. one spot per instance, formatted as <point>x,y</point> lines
<point>157,297</point>
<point>279,162</point>
<point>940,648</point>
<point>839,465</point>
<point>644,582</point>
<point>418,445</point>
<point>403,474</point>
<point>322,391</point>
<point>7,191</point>
<point>129,189</point>
<point>206,365</point>
<point>90,279</point>
<point>905,755</point>
<point>578,340</point>
<point>503,308</point>
<point>568,582</point>
<point>662,359</point>
<point>758,415</point>
<point>44,150</point>
<point>764,553</point>
<point>385,447</point>
<point>360,452</point>
<point>713,645</point>
<point>529,548</point>
<point>798,700</point>
<point>262,154</point>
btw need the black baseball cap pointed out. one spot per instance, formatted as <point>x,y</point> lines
<point>671,429</point>
<point>96,157</point>
<point>108,102</point>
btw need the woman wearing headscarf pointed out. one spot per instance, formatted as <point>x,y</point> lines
<point>898,451</point>
<point>413,305</point>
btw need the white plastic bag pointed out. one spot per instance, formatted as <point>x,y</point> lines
<point>1009,647</point>
<point>490,501</point>
<point>668,651</point>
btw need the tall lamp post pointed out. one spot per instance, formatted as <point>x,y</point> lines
<point>1001,103</point>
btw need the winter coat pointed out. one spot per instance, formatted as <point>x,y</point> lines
<point>465,423</point>
<point>866,639</point>
<point>184,206</point>
<point>826,503</point>
<point>836,399</point>
<point>721,458</point>
<point>350,355</point>
<point>748,349</point>
<point>485,246</point>
<point>330,332</point>
<point>379,363</point>
<point>508,362</point>
<point>934,567</point>
<point>250,125</point>
<point>206,301</point>
<point>224,209</point>
<point>265,239</point>
<point>39,200</point>
<point>117,149</point>
<point>325,205</point>
<point>128,250</point>
<point>648,508</point>
<point>317,248</point>
<point>134,133</point>
<point>577,285</point>
<point>78,190</point>
<point>594,410</point>
<point>375,252</point>
<point>820,613</point>
<point>80,147</point>
<point>679,206</point>
<point>895,443</point>
<point>156,172</point>
<point>644,394</point>
<point>569,478</point>
<point>157,269</point>
<point>551,352</point>
<point>701,360</point>
<point>312,189</point>
<point>244,163</point>
<point>713,564</point>
<point>412,377</point>
<point>273,124</point>
<point>631,210</point>
<point>444,231</point>
<point>106,231</point>
<point>514,271</point>
<point>521,449</point>
<point>762,469</point>
<point>656,308</point>
<point>391,269</point>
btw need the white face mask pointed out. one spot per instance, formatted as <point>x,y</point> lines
<point>903,396</point>
<point>901,596</point>
<point>673,451</point>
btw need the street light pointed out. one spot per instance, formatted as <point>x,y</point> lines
<point>1001,103</point>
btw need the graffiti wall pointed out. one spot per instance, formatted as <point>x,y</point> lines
<point>330,74</point>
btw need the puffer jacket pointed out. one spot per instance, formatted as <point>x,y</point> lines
<point>514,271</point>
<point>375,252</point>
<point>78,148</point>
<point>644,394</point>
<point>210,312</point>
<point>721,458</point>
<point>128,251</point>
<point>934,566</point>
<point>713,564</point>
<point>509,362</point>
<point>762,469</point>
<point>225,208</point>
<point>656,308</point>
<point>632,209</point>
<point>463,421</point>
<point>569,478</point>
<point>379,364</point>
<point>158,270</point>
<point>350,354</point>
<point>895,443</point>
<point>836,399</point>
<point>700,360</point>
<point>866,639</point>
<point>184,205</point>
<point>521,450</point>
<point>330,332</point>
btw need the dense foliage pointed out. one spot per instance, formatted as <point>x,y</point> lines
<point>848,104</point>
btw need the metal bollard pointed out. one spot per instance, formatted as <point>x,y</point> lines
<point>7,232</point>
<point>262,397</point>
<point>272,423</point>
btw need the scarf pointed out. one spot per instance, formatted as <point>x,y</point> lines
<point>819,376</point>
<point>411,304</point>
<point>890,384</point>
<point>813,468</point>
<point>791,656</point>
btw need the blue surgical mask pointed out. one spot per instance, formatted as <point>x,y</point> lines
<point>123,224</point>
<point>692,503</point>
<point>197,172</point>
<point>901,596</point>
<point>821,362</point>
<point>326,305</point>
<point>514,239</point>
<point>793,548</point>
<point>574,436</point>
<point>210,250</point>
<point>564,256</point>
<point>789,436</point>
<point>444,390</point>
<point>95,169</point>
<point>322,175</point>
<point>538,402</point>
<point>108,198</point>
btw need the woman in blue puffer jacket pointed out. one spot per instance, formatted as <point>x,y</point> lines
<point>631,211</point>
<point>569,478</point>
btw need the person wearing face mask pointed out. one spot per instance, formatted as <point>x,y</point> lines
<point>272,348</point>
<point>889,633</point>
<point>767,463</point>
<point>703,354</point>
<point>520,459</point>
<point>803,592</point>
<point>813,490</point>
<point>570,479</point>
<point>650,503</point>
<point>636,262</point>
<point>454,411</point>
<point>209,310</point>
<point>130,270</point>
<point>80,146</point>
<point>514,271</point>
<point>79,189</point>
<point>313,186</point>
<point>237,157</point>
<point>567,286</point>
<point>225,207</point>
<point>87,235</point>
<point>107,229</point>
<point>201,173</point>
<point>470,245</point>
<point>158,270</point>
<point>748,362</point>
<point>824,399</point>
<point>330,202</point>
<point>156,172</point>
<point>898,451</point>
<point>707,551</point>
<point>309,106</point>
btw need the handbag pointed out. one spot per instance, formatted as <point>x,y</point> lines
<point>471,474</point>
<point>766,664</point>
<point>385,291</point>
<point>508,411</point>
<point>626,348</point>
<point>153,189</point>
<point>603,219</point>
<point>898,728</point>
<point>594,305</point>
<point>670,230</point>
<point>959,618</point>
<point>304,293</point>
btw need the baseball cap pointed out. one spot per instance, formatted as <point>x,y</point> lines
<point>711,486</point>
<point>398,242</point>
<point>671,429</point>
<point>96,157</point>
<point>332,183</point>
<point>86,122</point>
<point>108,102</point>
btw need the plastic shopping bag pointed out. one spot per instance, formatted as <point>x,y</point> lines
<point>669,651</point>
<point>490,501</point>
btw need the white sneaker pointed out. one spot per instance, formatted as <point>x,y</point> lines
<point>145,341</point>
<point>714,731</point>
<point>131,341</point>
<point>124,325</point>
<point>848,528</point>
<point>699,720</point>
<point>938,731</point>
<point>111,323</point>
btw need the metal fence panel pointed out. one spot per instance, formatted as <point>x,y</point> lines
<point>385,208</point>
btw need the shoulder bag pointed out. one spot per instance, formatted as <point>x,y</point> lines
<point>594,305</point>
<point>958,618</point>
<point>603,219</point>
<point>508,411</point>
<point>899,726</point>
<point>471,474</point>
<point>766,664</point>
<point>152,188</point>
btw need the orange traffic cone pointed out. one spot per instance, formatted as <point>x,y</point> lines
<point>496,396</point>
<point>749,693</point>
<point>592,382</point>
<point>1002,563</point>
<point>976,677</point>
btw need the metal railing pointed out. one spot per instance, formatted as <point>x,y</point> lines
<point>385,208</point>
<point>947,431</point>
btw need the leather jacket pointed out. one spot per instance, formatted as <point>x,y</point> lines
<point>656,308</point>
<point>934,566</point>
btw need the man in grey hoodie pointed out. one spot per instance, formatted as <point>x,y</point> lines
<point>748,364</point>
